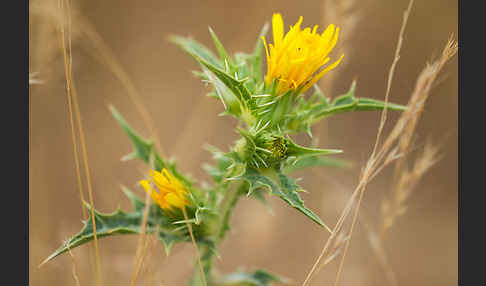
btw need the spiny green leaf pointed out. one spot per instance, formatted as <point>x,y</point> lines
<point>114,223</point>
<point>120,222</point>
<point>256,278</point>
<point>237,86</point>
<point>143,147</point>
<point>289,189</point>
<point>219,46</point>
<point>280,185</point>
<point>169,239</point>
<point>196,49</point>
<point>373,104</point>
<point>230,101</point>
<point>205,58</point>
<point>348,102</point>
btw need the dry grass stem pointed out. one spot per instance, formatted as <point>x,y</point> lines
<point>378,248</point>
<point>106,56</point>
<point>387,151</point>
<point>395,206</point>
<point>189,227</point>
<point>391,73</point>
<point>139,257</point>
<point>72,96</point>
<point>366,173</point>
<point>407,119</point>
<point>404,180</point>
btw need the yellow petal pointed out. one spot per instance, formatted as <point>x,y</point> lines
<point>174,200</point>
<point>145,184</point>
<point>268,58</point>
<point>278,28</point>
<point>319,75</point>
<point>158,177</point>
<point>297,25</point>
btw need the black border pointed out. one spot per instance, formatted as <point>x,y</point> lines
<point>14,118</point>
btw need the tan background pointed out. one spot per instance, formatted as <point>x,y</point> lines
<point>422,247</point>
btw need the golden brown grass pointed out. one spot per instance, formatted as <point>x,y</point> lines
<point>73,100</point>
<point>389,152</point>
<point>395,146</point>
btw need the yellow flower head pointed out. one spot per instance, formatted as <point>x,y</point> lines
<point>295,59</point>
<point>172,193</point>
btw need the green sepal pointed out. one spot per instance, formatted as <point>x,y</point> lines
<point>281,185</point>
<point>256,278</point>
<point>143,147</point>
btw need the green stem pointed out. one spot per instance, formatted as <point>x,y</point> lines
<point>207,254</point>
<point>229,203</point>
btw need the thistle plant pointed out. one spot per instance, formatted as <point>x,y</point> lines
<point>269,109</point>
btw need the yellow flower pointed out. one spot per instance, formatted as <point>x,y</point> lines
<point>172,193</point>
<point>295,59</point>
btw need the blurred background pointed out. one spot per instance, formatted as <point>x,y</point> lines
<point>421,247</point>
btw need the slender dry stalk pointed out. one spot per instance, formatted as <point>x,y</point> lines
<point>378,248</point>
<point>395,206</point>
<point>414,111</point>
<point>367,170</point>
<point>148,269</point>
<point>387,153</point>
<point>189,227</point>
<point>141,260</point>
<point>139,256</point>
<point>106,56</point>
<point>142,241</point>
<point>404,180</point>
<point>391,73</point>
<point>72,98</point>
<point>380,130</point>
